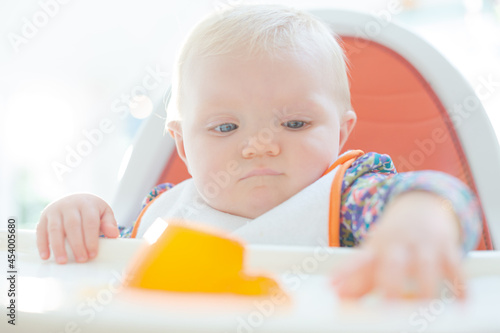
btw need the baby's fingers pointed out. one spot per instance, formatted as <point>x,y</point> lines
<point>74,233</point>
<point>109,226</point>
<point>56,237</point>
<point>428,273</point>
<point>391,272</point>
<point>453,272</point>
<point>355,279</point>
<point>91,223</point>
<point>42,238</point>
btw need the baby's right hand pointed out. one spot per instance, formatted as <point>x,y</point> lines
<point>80,218</point>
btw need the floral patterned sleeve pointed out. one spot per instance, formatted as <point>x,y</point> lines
<point>126,232</point>
<point>372,182</point>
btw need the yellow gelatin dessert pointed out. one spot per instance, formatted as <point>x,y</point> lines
<point>192,259</point>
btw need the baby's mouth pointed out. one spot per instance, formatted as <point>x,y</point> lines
<point>261,172</point>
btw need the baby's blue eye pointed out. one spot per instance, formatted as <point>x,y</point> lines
<point>294,124</point>
<point>224,128</point>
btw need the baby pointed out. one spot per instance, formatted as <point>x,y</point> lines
<point>260,110</point>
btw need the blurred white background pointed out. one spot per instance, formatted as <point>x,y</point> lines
<point>70,69</point>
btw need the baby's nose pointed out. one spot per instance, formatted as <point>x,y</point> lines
<point>260,146</point>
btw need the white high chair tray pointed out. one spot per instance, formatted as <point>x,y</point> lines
<point>88,298</point>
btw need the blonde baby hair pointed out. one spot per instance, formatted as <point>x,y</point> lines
<point>261,30</point>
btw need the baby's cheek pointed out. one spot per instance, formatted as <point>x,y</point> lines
<point>215,184</point>
<point>317,157</point>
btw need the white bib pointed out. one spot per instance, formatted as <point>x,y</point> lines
<point>300,220</point>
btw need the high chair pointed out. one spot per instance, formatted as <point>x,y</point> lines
<point>410,101</point>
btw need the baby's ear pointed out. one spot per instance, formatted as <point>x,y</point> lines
<point>173,127</point>
<point>175,130</point>
<point>347,122</point>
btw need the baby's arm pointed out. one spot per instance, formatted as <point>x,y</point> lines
<point>79,218</point>
<point>429,220</point>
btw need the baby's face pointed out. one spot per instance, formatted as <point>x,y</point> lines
<point>256,132</point>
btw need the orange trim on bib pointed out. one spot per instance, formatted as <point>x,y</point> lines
<point>344,158</point>
<point>139,218</point>
<point>345,162</point>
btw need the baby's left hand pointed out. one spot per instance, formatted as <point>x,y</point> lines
<point>417,238</point>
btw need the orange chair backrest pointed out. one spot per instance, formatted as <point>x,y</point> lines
<point>398,114</point>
